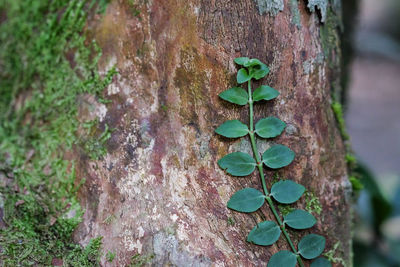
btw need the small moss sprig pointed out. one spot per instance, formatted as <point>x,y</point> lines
<point>277,156</point>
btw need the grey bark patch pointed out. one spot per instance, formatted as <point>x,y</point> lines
<point>270,6</point>
<point>309,64</point>
<point>167,251</point>
<point>294,9</point>
<point>347,189</point>
<point>291,129</point>
<point>202,148</point>
<point>322,5</point>
<point>263,145</point>
<point>244,146</point>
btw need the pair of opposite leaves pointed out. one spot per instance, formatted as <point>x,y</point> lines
<point>242,164</point>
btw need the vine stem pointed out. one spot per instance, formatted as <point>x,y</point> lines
<point>261,171</point>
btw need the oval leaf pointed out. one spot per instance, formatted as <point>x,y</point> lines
<point>264,234</point>
<point>283,258</point>
<point>287,191</point>
<point>235,95</point>
<point>238,164</point>
<point>299,219</point>
<point>270,127</point>
<point>278,156</point>
<point>311,246</point>
<point>264,92</point>
<point>246,200</point>
<point>241,60</point>
<point>253,62</point>
<point>242,76</point>
<point>321,262</point>
<point>232,129</point>
<point>259,71</point>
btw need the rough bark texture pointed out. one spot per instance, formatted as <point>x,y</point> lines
<point>159,190</point>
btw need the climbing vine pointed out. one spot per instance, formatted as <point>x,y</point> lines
<point>277,156</point>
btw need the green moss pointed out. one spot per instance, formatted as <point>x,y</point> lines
<point>231,221</point>
<point>140,260</point>
<point>89,256</point>
<point>94,145</point>
<point>134,7</point>
<point>331,255</point>
<point>330,39</point>
<point>350,158</point>
<point>338,111</point>
<point>313,205</point>
<point>285,209</point>
<point>276,178</point>
<point>164,108</point>
<point>109,219</point>
<point>45,66</point>
<point>354,177</point>
<point>110,256</point>
<point>356,184</point>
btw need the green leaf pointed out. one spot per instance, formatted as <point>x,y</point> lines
<point>264,234</point>
<point>246,200</point>
<point>321,262</point>
<point>299,219</point>
<point>253,62</point>
<point>242,76</point>
<point>287,191</point>
<point>232,129</point>
<point>270,127</point>
<point>283,258</point>
<point>278,156</point>
<point>235,95</point>
<point>238,164</point>
<point>259,71</point>
<point>311,246</point>
<point>241,60</point>
<point>264,92</point>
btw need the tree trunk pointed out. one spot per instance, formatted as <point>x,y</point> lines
<point>158,191</point>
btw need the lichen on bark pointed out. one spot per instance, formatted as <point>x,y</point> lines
<point>296,18</point>
<point>270,6</point>
<point>321,5</point>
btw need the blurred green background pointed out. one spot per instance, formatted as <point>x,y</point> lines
<point>373,122</point>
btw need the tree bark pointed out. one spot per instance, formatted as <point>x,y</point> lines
<point>159,191</point>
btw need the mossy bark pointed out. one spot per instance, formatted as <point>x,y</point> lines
<point>158,192</point>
